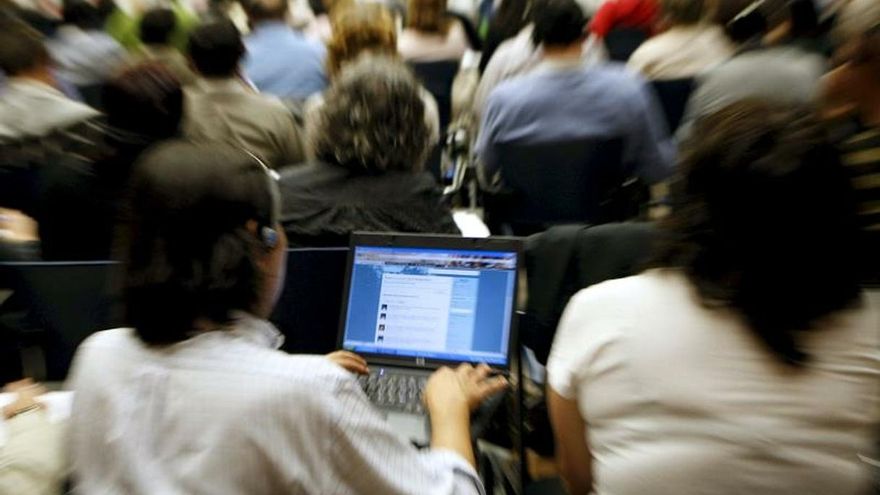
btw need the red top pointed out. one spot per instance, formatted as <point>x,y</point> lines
<point>624,13</point>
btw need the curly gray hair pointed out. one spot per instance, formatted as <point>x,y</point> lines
<point>373,119</point>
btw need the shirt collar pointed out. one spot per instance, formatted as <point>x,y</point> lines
<point>273,27</point>
<point>255,330</point>
<point>555,65</point>
<point>222,85</point>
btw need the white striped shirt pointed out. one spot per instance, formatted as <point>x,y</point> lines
<point>226,413</point>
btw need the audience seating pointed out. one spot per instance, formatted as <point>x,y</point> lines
<point>65,302</point>
<point>308,311</point>
<point>581,181</point>
<point>673,95</point>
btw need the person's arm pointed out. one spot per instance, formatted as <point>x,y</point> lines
<point>366,456</point>
<point>572,452</point>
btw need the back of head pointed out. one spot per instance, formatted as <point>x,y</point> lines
<point>146,100</point>
<point>190,256</point>
<point>81,14</point>
<point>22,49</point>
<point>265,10</point>
<point>684,12</point>
<point>764,221</point>
<point>360,28</point>
<point>558,23</point>
<point>427,15</point>
<point>157,25</point>
<point>216,48</point>
<point>373,119</point>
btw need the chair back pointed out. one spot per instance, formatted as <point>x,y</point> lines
<point>68,301</point>
<point>437,78</point>
<point>576,181</point>
<point>622,42</point>
<point>309,309</point>
<point>673,95</point>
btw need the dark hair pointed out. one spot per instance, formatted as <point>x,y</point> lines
<point>764,221</point>
<point>21,49</point>
<point>81,14</point>
<point>373,119</point>
<point>146,99</point>
<point>190,255</point>
<point>216,48</point>
<point>511,18</point>
<point>264,10</point>
<point>558,22</point>
<point>157,26</point>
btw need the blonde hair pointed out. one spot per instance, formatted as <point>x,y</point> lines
<point>360,28</point>
<point>427,15</point>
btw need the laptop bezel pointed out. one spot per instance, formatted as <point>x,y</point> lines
<point>431,241</point>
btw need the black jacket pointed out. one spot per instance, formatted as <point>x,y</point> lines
<point>322,204</point>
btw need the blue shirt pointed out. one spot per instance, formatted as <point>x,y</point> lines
<point>282,62</point>
<point>559,102</point>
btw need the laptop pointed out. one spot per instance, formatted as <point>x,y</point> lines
<point>414,303</point>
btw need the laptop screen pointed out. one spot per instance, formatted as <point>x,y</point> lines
<point>444,304</point>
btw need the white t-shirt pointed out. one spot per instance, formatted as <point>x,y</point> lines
<point>682,399</point>
<point>681,52</point>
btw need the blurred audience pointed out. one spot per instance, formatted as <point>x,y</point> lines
<point>222,108</point>
<point>321,28</point>
<point>194,397</point>
<point>155,30</point>
<point>367,29</point>
<point>748,362</point>
<point>431,34</point>
<point>852,94</point>
<point>32,454</point>
<point>81,194</point>
<point>509,20</point>
<point>520,55</point>
<point>280,60</point>
<point>36,119</point>
<point>370,140</point>
<point>625,14</point>
<point>603,101</point>
<point>690,45</point>
<point>85,54</point>
<point>783,73</point>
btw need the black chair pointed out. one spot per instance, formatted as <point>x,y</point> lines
<point>65,302</point>
<point>579,181</point>
<point>308,312</point>
<point>622,42</point>
<point>673,95</point>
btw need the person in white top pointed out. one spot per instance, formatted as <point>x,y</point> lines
<point>195,399</point>
<point>690,45</point>
<point>431,35</point>
<point>749,360</point>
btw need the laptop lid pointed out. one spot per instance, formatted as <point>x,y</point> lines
<point>428,300</point>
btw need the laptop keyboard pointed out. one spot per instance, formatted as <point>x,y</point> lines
<point>397,391</point>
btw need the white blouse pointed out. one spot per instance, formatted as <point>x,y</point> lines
<point>226,413</point>
<point>682,399</point>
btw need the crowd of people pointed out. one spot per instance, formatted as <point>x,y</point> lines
<point>195,144</point>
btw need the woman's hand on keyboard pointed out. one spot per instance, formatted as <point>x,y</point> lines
<point>461,389</point>
<point>350,361</point>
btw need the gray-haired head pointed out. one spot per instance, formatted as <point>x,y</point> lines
<point>373,118</point>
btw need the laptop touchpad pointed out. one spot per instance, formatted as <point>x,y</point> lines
<point>411,427</point>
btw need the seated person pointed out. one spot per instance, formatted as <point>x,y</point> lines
<point>196,398</point>
<point>603,101</point>
<point>366,28</point>
<point>281,61</point>
<point>370,141</point>
<point>431,35</point>
<point>748,361</point>
<point>85,54</point>
<point>221,107</point>
<point>690,45</point>
<point>156,29</point>
<point>32,452</point>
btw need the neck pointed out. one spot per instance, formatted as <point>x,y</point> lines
<point>563,53</point>
<point>42,75</point>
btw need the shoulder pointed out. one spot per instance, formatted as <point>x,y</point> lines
<point>622,297</point>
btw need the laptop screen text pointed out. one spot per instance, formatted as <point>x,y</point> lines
<point>443,304</point>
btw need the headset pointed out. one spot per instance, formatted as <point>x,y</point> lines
<point>267,233</point>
